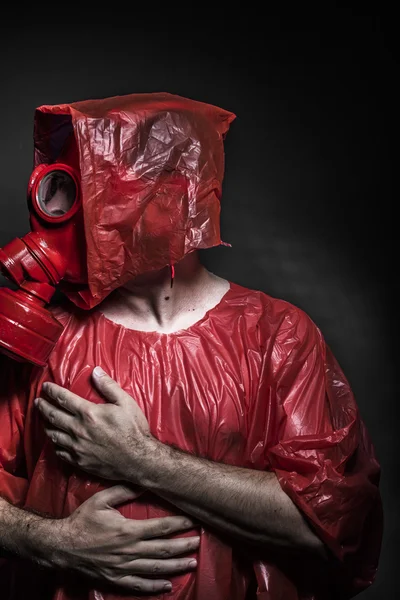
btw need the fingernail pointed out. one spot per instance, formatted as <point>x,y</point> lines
<point>193,563</point>
<point>168,587</point>
<point>46,388</point>
<point>98,371</point>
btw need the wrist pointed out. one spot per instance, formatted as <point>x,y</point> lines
<point>155,465</point>
<point>143,462</point>
<point>31,536</point>
<point>44,541</point>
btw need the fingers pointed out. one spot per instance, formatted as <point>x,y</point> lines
<point>167,548</point>
<point>108,387</point>
<point>145,586</point>
<point>151,568</point>
<point>142,566</point>
<point>55,416</point>
<point>66,399</point>
<point>115,495</point>
<point>65,455</point>
<point>60,438</point>
<point>155,528</point>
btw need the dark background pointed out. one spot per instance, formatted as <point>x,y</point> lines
<point>307,200</point>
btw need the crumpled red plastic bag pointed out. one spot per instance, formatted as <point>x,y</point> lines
<point>151,170</point>
<point>252,384</point>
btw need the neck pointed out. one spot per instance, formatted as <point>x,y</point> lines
<point>149,303</point>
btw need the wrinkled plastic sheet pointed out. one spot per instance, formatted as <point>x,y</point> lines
<point>151,168</point>
<point>252,384</point>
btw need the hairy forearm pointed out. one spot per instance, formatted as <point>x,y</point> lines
<point>28,535</point>
<point>244,503</point>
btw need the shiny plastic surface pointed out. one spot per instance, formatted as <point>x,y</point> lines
<point>120,186</point>
<point>38,261</point>
<point>151,170</point>
<point>63,232</point>
<point>251,384</point>
<point>28,331</point>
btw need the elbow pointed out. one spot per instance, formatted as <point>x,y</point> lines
<point>306,542</point>
<point>301,544</point>
<point>310,543</point>
<point>317,548</point>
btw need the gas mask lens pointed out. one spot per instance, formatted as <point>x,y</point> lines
<point>56,193</point>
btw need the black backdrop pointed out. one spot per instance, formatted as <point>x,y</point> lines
<point>307,200</point>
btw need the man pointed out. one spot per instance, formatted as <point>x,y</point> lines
<point>214,417</point>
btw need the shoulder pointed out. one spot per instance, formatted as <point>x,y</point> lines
<point>277,320</point>
<point>75,322</point>
<point>273,313</point>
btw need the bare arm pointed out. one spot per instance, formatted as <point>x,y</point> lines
<point>98,542</point>
<point>244,503</point>
<point>29,536</point>
<point>113,441</point>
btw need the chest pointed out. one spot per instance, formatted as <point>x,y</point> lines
<point>197,395</point>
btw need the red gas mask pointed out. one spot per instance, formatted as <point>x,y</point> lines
<point>121,186</point>
<point>37,263</point>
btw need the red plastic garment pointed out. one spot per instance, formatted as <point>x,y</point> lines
<point>151,170</point>
<point>251,384</point>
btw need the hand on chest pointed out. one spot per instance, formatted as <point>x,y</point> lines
<point>196,406</point>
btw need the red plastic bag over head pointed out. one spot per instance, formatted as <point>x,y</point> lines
<point>151,168</point>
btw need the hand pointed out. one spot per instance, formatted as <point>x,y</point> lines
<point>107,440</point>
<point>100,543</point>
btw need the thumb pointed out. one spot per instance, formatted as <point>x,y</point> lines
<point>118,494</point>
<point>107,386</point>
